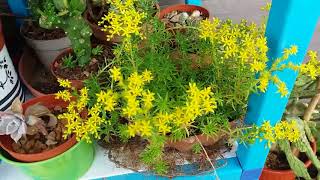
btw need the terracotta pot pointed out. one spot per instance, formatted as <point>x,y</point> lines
<point>270,174</point>
<point>78,84</point>
<point>6,142</point>
<point>47,50</point>
<point>186,145</point>
<point>28,64</point>
<point>10,86</point>
<point>184,8</point>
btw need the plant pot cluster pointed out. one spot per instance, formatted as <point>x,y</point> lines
<point>156,88</point>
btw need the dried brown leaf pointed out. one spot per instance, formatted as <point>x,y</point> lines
<point>37,110</point>
<point>16,106</point>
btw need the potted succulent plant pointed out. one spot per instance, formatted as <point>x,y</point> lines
<point>150,100</point>
<point>47,43</point>
<point>79,62</point>
<point>283,159</point>
<point>177,16</point>
<point>10,86</point>
<point>33,140</point>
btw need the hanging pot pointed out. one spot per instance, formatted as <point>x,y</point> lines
<point>10,86</point>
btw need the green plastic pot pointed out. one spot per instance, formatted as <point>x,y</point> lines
<point>70,165</point>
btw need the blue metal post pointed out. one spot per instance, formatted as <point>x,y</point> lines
<point>291,22</point>
<point>194,2</point>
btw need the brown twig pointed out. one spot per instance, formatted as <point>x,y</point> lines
<point>313,103</point>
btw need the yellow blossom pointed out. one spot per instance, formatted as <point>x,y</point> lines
<point>147,99</point>
<point>115,74</point>
<point>147,76</point>
<point>64,83</point>
<point>64,95</point>
<point>282,89</point>
<point>107,99</point>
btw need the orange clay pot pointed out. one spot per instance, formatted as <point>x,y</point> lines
<point>271,174</point>
<point>78,84</point>
<point>184,8</point>
<point>6,142</point>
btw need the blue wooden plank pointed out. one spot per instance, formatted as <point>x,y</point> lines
<point>291,22</point>
<point>194,2</point>
<point>252,174</point>
<point>231,171</point>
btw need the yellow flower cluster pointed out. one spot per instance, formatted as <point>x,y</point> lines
<point>246,46</point>
<point>198,103</point>
<point>64,95</point>
<point>282,131</point>
<point>83,123</point>
<point>64,83</point>
<point>123,19</point>
<point>130,100</point>
<point>312,67</point>
<point>237,41</point>
<point>139,108</point>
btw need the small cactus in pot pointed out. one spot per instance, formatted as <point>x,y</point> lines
<point>67,15</point>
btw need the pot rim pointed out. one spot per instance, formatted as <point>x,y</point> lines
<point>10,161</point>
<point>171,8</point>
<point>27,84</point>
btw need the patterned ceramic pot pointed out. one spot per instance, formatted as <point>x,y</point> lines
<point>10,86</point>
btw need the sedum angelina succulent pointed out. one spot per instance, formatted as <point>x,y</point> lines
<point>17,124</point>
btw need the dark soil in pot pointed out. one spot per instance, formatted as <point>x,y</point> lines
<point>127,155</point>
<point>33,31</point>
<point>278,160</point>
<point>37,143</point>
<point>82,73</point>
<point>35,76</point>
<point>45,82</point>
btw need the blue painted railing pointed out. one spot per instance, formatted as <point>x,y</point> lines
<point>291,22</point>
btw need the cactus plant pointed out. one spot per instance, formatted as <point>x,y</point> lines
<point>67,15</point>
<point>295,111</point>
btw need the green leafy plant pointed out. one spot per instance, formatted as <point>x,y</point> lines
<point>97,50</point>
<point>68,61</point>
<point>197,148</point>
